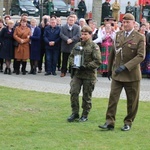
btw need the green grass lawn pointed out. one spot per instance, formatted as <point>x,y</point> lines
<point>37,121</point>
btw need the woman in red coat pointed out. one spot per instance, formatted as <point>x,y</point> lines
<point>22,36</point>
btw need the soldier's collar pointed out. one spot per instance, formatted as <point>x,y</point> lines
<point>85,42</point>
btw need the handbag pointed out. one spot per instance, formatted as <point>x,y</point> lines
<point>16,43</point>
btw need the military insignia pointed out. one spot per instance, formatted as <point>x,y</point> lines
<point>134,43</point>
<point>97,48</point>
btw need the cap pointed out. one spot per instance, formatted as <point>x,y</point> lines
<point>128,16</point>
<point>7,16</point>
<point>86,29</point>
<point>109,18</point>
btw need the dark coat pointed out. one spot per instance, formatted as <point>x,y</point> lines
<point>106,10</point>
<point>82,8</point>
<point>42,39</point>
<point>129,9</point>
<point>66,34</point>
<point>52,34</point>
<point>7,48</point>
<point>35,44</point>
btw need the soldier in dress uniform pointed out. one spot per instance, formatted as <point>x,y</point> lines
<point>115,10</point>
<point>84,76</point>
<point>124,68</point>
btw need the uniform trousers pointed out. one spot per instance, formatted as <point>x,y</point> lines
<point>132,92</point>
<point>88,87</point>
<point>115,16</point>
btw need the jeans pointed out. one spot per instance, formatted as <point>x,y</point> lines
<point>51,60</point>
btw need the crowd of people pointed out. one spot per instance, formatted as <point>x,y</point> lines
<point>52,42</point>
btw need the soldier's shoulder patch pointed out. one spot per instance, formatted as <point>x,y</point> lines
<point>97,48</point>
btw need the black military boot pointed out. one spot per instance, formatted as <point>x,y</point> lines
<point>32,70</point>
<point>84,116</point>
<point>17,67</point>
<point>24,63</point>
<point>9,71</point>
<point>73,117</point>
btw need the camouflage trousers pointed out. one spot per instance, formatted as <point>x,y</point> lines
<point>87,89</point>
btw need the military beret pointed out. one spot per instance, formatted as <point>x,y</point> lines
<point>128,16</point>
<point>86,29</point>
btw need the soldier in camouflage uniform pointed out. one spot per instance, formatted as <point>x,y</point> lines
<point>84,76</point>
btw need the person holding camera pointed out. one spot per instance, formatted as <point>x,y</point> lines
<point>83,75</point>
<point>44,23</point>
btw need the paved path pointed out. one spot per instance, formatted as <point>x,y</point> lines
<point>56,84</point>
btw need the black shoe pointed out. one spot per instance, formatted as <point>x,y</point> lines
<point>17,72</point>
<point>39,71</point>
<point>34,71</point>
<point>73,117</point>
<point>46,74</point>
<point>125,128</point>
<point>31,71</point>
<point>9,71</point>
<point>54,73</point>
<point>83,119</point>
<point>106,126</point>
<point>24,72</point>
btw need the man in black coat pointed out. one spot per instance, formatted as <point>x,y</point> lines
<point>106,9</point>
<point>81,9</point>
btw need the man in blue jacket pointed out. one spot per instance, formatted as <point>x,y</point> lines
<point>52,39</point>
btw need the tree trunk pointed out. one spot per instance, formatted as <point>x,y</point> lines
<point>96,11</point>
<point>1,8</point>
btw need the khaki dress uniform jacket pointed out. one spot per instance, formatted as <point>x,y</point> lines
<point>22,51</point>
<point>115,11</point>
<point>130,52</point>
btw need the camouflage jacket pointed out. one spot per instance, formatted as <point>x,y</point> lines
<point>92,60</point>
